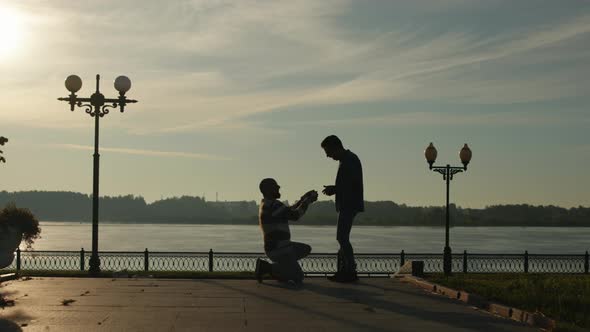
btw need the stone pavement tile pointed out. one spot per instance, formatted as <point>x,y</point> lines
<point>295,316</point>
<point>193,321</point>
<point>326,316</point>
<point>286,325</point>
<point>211,310</point>
<point>66,318</point>
<point>57,300</point>
<point>201,304</point>
<point>231,302</point>
<point>60,328</point>
<point>211,328</point>
<point>148,320</point>
<point>41,318</point>
<point>382,326</point>
<point>282,306</point>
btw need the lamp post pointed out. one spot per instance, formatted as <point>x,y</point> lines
<point>3,140</point>
<point>96,106</point>
<point>447,172</point>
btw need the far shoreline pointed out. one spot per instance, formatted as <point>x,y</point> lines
<point>111,222</point>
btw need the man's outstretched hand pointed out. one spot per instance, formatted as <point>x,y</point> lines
<point>329,190</point>
<point>309,197</point>
<point>306,200</point>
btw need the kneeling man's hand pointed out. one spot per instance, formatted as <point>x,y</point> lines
<point>310,196</point>
<point>329,190</point>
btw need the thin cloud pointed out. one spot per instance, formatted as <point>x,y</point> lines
<point>142,152</point>
<point>428,118</point>
<point>427,70</point>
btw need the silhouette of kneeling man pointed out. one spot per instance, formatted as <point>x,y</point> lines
<point>274,219</point>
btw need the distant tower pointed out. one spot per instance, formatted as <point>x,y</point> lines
<point>216,197</point>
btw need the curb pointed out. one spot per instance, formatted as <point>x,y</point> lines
<point>8,276</point>
<point>532,319</point>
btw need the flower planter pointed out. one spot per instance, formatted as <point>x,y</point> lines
<point>10,239</point>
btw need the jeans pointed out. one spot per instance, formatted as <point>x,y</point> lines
<point>346,261</point>
<point>285,266</point>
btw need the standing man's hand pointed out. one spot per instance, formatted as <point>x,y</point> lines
<point>329,190</point>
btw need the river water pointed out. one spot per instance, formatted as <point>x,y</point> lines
<point>365,239</point>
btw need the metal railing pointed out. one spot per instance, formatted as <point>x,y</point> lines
<point>321,263</point>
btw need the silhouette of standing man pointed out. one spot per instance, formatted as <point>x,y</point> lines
<point>349,202</point>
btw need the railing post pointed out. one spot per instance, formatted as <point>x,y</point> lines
<point>82,259</point>
<point>526,261</point>
<point>587,263</point>
<point>402,259</point>
<point>464,261</point>
<point>17,260</point>
<point>146,260</point>
<point>210,260</point>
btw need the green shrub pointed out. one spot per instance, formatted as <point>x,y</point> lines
<point>21,219</point>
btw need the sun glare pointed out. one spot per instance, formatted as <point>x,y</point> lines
<point>10,32</point>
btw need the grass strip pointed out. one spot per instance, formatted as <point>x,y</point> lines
<point>565,298</point>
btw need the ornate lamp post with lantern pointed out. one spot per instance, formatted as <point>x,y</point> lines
<point>96,106</point>
<point>447,172</point>
<point>3,140</point>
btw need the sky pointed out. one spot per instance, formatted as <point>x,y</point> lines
<point>231,92</point>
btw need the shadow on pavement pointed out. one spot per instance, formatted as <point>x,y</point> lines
<point>9,326</point>
<point>472,320</point>
<point>302,307</point>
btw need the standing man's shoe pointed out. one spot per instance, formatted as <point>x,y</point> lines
<point>335,277</point>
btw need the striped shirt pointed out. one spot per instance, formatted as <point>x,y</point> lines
<point>273,218</point>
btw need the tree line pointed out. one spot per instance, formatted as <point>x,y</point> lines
<point>72,206</point>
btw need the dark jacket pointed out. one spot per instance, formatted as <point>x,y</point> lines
<point>349,184</point>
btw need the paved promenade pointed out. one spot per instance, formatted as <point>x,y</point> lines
<point>235,305</point>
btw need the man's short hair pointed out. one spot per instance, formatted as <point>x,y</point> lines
<point>263,186</point>
<point>332,141</point>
